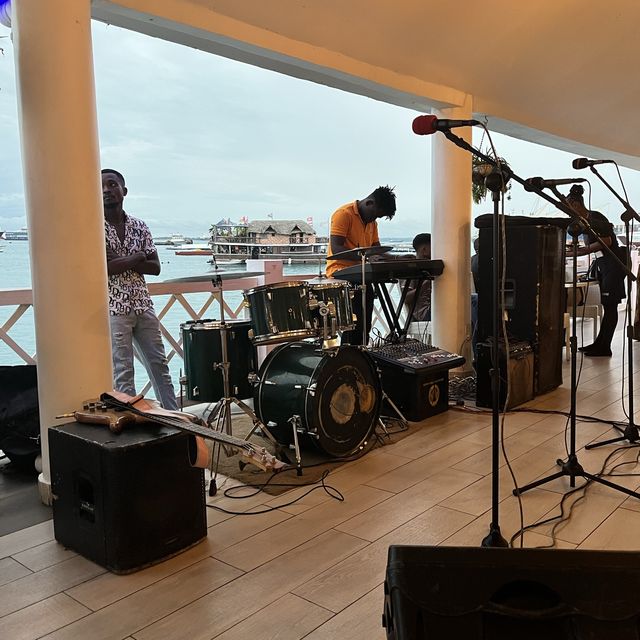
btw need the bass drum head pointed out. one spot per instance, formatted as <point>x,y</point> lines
<point>346,404</point>
<point>336,394</point>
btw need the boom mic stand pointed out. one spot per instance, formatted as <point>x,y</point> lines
<point>495,182</point>
<point>571,467</point>
<point>630,432</point>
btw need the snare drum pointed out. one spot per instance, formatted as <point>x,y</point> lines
<point>336,394</point>
<point>279,312</point>
<point>335,296</point>
<point>201,341</point>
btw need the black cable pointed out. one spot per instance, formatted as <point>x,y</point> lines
<point>332,492</point>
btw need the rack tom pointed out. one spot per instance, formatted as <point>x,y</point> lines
<point>279,312</point>
<point>331,299</point>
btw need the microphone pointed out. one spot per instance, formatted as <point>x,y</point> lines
<point>534,184</point>
<point>426,125</point>
<point>583,163</point>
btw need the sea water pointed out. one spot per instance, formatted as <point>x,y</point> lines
<point>15,273</point>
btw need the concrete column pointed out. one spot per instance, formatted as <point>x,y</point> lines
<point>58,125</point>
<point>450,230</point>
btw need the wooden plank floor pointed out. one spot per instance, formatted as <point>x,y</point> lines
<point>315,570</point>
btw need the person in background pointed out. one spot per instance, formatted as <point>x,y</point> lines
<point>422,311</point>
<point>475,274</point>
<point>130,255</point>
<point>608,271</point>
<point>355,225</point>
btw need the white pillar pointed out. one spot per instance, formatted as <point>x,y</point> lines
<point>450,241</point>
<point>57,112</point>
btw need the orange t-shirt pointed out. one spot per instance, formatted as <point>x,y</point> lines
<point>346,222</point>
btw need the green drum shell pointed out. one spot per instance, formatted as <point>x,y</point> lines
<point>279,312</point>
<point>336,393</point>
<point>202,346</point>
<point>339,293</point>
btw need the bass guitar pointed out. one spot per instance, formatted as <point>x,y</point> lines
<point>118,412</point>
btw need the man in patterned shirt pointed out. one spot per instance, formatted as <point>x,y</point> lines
<point>130,255</point>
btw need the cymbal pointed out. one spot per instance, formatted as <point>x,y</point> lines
<point>224,275</point>
<point>354,254</point>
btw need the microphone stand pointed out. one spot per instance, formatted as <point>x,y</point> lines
<point>630,432</point>
<point>571,467</point>
<point>495,182</point>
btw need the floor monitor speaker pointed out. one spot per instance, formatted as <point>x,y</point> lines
<point>482,593</point>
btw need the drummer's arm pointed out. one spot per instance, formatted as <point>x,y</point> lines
<point>338,244</point>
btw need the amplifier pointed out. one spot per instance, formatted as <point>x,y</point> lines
<point>125,501</point>
<point>521,367</point>
<point>415,376</point>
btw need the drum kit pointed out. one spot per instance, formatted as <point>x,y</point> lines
<point>309,389</point>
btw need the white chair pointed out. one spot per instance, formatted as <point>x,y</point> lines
<point>585,312</point>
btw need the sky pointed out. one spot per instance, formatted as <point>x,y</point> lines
<point>200,137</point>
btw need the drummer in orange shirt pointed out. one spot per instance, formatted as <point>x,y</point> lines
<point>354,225</point>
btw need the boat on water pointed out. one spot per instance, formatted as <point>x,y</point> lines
<point>174,240</point>
<point>22,234</point>
<point>292,241</point>
<point>194,249</point>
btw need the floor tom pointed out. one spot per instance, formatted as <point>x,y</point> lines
<point>201,341</point>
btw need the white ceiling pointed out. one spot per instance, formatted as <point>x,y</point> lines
<point>557,72</point>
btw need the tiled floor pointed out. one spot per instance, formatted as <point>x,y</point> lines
<point>315,569</point>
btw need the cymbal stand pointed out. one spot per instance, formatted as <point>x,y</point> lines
<point>221,412</point>
<point>363,298</point>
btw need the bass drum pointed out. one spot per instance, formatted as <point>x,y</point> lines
<point>336,393</point>
<point>202,344</point>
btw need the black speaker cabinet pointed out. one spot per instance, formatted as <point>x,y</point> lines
<point>418,394</point>
<point>519,382</point>
<point>125,501</point>
<point>437,593</point>
<point>534,290</point>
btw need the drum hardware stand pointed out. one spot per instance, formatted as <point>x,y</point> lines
<point>221,412</point>
<point>403,421</point>
<point>327,313</point>
<point>363,298</point>
<point>295,425</point>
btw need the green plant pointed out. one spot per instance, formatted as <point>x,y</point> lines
<point>480,169</point>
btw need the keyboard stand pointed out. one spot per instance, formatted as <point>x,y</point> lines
<point>397,332</point>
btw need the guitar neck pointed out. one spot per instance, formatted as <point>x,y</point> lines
<point>182,425</point>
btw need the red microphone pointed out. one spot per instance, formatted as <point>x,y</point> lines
<point>426,125</point>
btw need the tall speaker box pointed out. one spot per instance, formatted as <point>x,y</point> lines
<point>534,290</point>
<point>476,593</point>
<point>125,501</point>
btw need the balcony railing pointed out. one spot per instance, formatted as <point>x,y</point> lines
<point>175,303</point>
